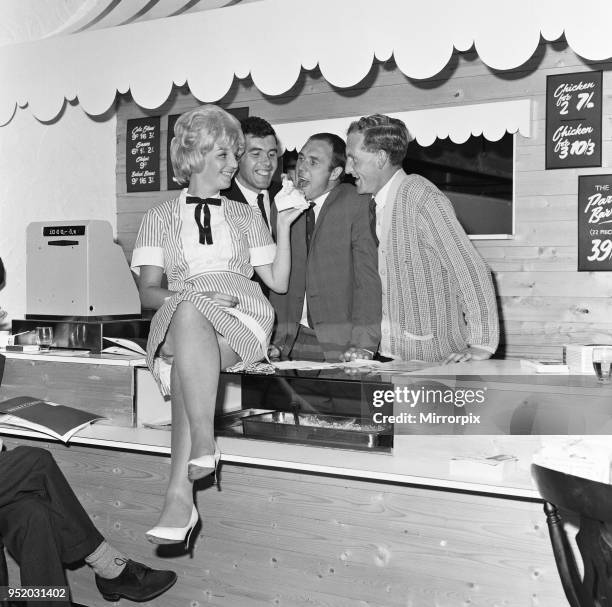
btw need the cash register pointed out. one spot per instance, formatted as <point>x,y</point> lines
<point>78,281</point>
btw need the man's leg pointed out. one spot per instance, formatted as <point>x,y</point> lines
<point>60,531</point>
<point>29,472</point>
<point>27,531</point>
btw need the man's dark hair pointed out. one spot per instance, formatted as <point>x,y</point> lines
<point>337,145</point>
<point>257,127</point>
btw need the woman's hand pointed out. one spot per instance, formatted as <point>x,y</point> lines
<point>285,218</point>
<point>276,274</point>
<point>222,299</point>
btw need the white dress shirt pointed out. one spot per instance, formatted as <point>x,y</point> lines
<point>382,208</point>
<point>251,198</point>
<point>381,202</point>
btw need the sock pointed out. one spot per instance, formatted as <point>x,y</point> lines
<point>106,561</point>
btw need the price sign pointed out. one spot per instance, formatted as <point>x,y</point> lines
<point>142,154</point>
<point>239,112</point>
<point>595,223</point>
<point>573,120</point>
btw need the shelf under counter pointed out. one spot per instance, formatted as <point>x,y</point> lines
<point>423,463</point>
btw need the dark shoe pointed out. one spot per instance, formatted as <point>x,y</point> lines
<point>137,582</point>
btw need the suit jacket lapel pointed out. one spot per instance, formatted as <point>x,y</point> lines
<point>331,198</point>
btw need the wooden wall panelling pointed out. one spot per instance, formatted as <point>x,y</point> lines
<point>535,270</point>
<point>103,389</point>
<point>273,537</point>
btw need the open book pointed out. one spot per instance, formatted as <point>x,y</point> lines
<point>59,421</point>
<point>120,345</point>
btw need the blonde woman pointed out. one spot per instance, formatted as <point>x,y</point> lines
<point>212,315</point>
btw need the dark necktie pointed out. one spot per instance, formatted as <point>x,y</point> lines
<point>205,231</point>
<point>373,220</point>
<point>310,223</point>
<point>262,208</point>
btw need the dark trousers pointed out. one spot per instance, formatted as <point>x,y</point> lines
<point>42,523</point>
<point>306,346</point>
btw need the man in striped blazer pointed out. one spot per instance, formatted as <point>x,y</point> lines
<point>438,301</point>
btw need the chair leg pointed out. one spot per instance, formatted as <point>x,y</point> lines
<point>3,571</point>
<point>597,558</point>
<point>564,557</point>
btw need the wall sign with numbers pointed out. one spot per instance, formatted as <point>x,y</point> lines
<point>573,120</point>
<point>595,223</point>
<point>142,154</point>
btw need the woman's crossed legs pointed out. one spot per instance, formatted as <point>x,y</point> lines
<point>199,353</point>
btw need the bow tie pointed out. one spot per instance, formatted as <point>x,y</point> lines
<point>204,230</point>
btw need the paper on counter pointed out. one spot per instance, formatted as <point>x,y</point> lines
<point>304,365</point>
<point>400,366</point>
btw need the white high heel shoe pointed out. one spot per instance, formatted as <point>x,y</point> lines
<point>203,466</point>
<point>174,535</point>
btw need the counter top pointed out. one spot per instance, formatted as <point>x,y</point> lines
<point>78,356</point>
<point>416,459</point>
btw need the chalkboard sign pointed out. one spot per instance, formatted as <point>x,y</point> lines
<point>595,223</point>
<point>142,154</point>
<point>573,120</point>
<point>240,113</point>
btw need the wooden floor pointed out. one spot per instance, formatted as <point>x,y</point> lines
<point>278,538</point>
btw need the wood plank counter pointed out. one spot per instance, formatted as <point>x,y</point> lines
<point>301,525</point>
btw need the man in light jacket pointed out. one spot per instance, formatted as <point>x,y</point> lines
<point>438,301</point>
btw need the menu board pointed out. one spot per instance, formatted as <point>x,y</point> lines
<point>240,113</point>
<point>142,154</point>
<point>573,120</point>
<point>595,223</point>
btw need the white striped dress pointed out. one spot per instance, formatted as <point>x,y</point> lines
<point>169,238</point>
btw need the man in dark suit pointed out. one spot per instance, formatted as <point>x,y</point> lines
<point>332,309</point>
<point>253,183</point>
<point>44,526</point>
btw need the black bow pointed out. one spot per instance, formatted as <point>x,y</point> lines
<point>205,231</point>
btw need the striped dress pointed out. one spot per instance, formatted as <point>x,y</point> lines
<point>168,238</point>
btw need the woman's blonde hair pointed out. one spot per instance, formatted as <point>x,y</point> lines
<point>195,134</point>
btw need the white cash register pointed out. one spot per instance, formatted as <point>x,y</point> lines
<point>78,280</point>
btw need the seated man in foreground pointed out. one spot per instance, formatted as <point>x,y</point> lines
<point>44,526</point>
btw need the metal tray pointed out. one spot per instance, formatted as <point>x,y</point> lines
<point>231,423</point>
<point>329,430</point>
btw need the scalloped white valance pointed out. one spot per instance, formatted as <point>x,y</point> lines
<point>273,39</point>
<point>492,120</point>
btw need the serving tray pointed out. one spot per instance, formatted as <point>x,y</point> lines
<point>328,430</point>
